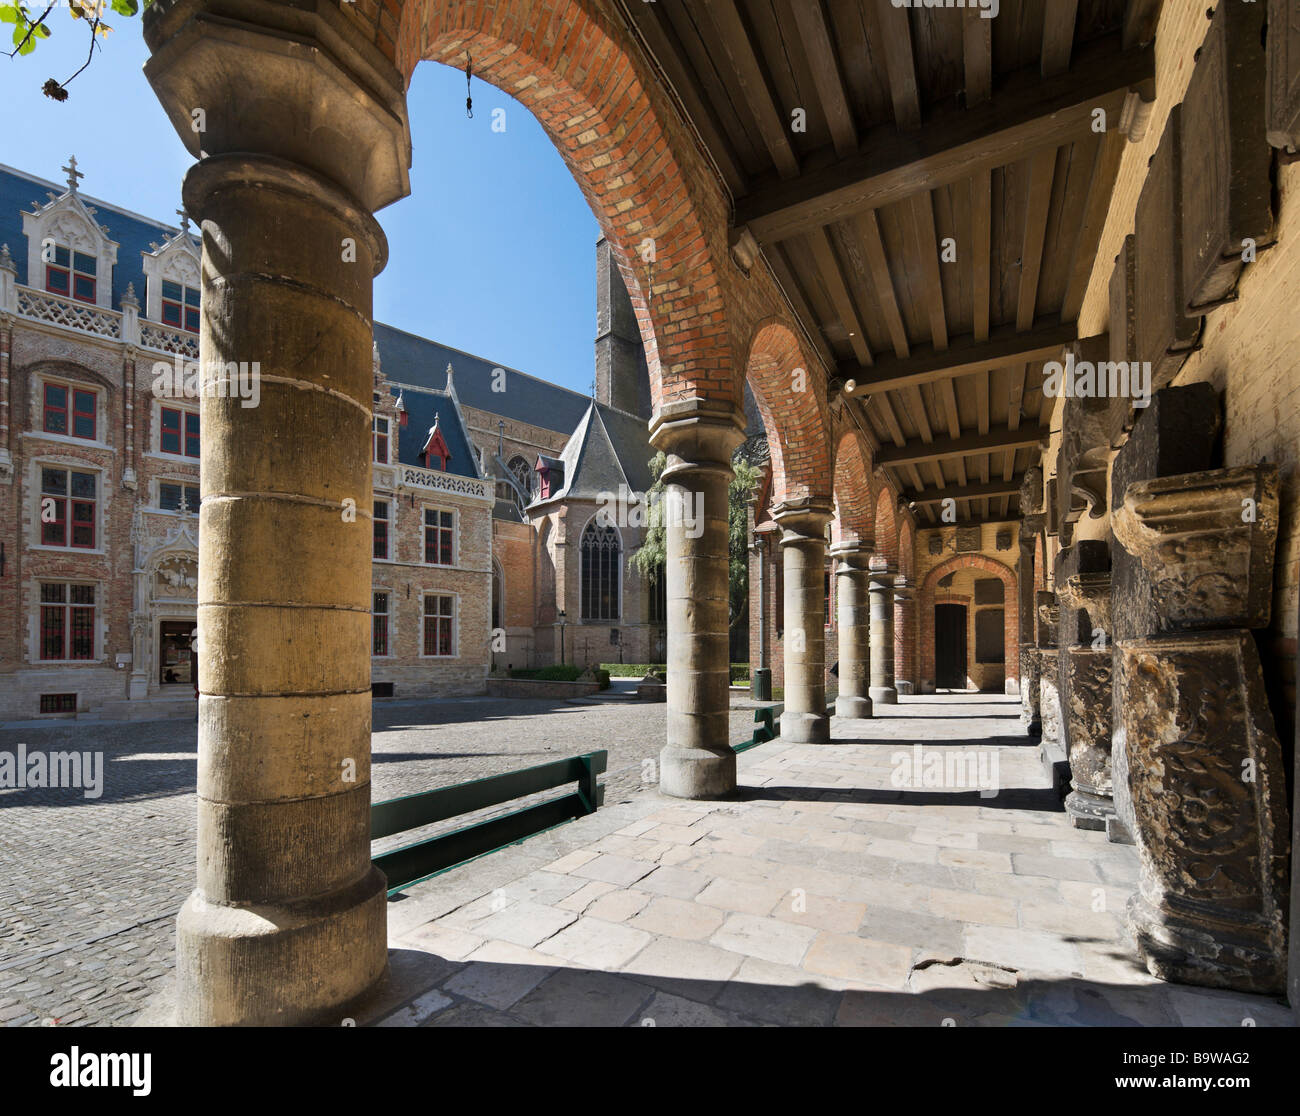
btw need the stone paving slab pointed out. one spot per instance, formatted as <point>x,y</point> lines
<point>823,893</point>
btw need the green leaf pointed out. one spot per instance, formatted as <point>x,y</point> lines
<point>126,7</point>
<point>8,13</point>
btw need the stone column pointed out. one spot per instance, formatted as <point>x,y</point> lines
<point>1204,765</point>
<point>1083,587</point>
<point>904,616</point>
<point>1032,518</point>
<point>304,134</point>
<point>803,557</point>
<point>1051,748</point>
<point>698,435</point>
<point>881,588</point>
<point>854,616</point>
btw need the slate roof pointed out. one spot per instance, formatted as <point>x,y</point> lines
<point>421,407</point>
<point>131,231</point>
<point>405,359</point>
<point>608,449</point>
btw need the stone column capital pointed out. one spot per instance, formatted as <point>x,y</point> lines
<point>853,555</point>
<point>904,587</point>
<point>881,569</point>
<point>296,81</point>
<point>802,519</point>
<point>217,172</point>
<point>697,434</point>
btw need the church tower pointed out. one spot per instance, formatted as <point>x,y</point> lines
<point>622,377</point>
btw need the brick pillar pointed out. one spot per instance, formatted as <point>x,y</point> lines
<point>287,924</point>
<point>881,589</point>
<point>854,616</point>
<point>698,435</point>
<point>803,553</point>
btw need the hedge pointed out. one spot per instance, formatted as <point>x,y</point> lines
<point>739,671</point>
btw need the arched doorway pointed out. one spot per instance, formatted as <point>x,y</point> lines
<point>970,612</point>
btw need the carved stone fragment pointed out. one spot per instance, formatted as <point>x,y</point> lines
<point>1205,541</point>
<point>1209,800</point>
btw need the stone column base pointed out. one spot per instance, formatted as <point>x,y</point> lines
<point>904,687</point>
<point>805,728</point>
<point>1198,949</point>
<point>859,707</point>
<point>280,965</point>
<point>696,772</point>
<point>883,695</point>
<point>1089,810</point>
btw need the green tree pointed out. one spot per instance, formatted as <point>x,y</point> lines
<point>651,556</point>
<point>31,24</point>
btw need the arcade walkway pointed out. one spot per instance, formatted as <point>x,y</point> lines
<point>846,884</point>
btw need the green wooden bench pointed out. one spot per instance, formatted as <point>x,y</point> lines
<point>421,860</point>
<point>767,728</point>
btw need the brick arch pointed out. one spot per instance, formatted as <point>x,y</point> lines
<point>1010,614</point>
<point>852,488</point>
<point>886,526</point>
<point>906,548</point>
<point>576,69</point>
<point>790,391</point>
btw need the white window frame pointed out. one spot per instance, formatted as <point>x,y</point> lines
<point>455,537</point>
<point>455,622</point>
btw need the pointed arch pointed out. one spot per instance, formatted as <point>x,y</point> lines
<point>1010,605</point>
<point>852,488</point>
<point>580,73</point>
<point>886,526</point>
<point>790,391</point>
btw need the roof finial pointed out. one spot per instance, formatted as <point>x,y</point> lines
<point>451,383</point>
<point>73,174</point>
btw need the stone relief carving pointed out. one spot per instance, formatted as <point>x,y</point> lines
<point>1206,541</point>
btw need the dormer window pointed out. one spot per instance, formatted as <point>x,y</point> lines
<point>71,273</point>
<point>180,306</point>
<point>435,451</point>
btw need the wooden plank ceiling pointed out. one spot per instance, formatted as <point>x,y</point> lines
<point>935,221</point>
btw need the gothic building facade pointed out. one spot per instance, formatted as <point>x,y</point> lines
<point>488,550</point>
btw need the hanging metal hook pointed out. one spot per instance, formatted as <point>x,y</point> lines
<point>469,97</point>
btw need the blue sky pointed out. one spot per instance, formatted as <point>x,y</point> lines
<point>493,252</point>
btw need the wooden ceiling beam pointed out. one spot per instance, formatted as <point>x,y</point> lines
<point>965,446</point>
<point>965,492</point>
<point>771,124</point>
<point>1004,347</point>
<point>894,24</point>
<point>825,66</point>
<point>1058,36</point>
<point>981,228</point>
<point>867,227</point>
<point>977,56</point>
<point>1029,113</point>
<point>926,243</point>
<point>1042,168</point>
<point>828,266</point>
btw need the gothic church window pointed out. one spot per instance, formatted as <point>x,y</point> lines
<point>601,565</point>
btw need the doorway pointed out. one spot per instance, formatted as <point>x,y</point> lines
<point>950,646</point>
<point>176,662</point>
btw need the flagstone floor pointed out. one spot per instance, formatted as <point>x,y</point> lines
<point>840,886</point>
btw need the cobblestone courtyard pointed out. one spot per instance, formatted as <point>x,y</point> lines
<point>824,892</point>
<point>90,888</point>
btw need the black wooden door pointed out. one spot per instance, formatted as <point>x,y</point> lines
<point>950,646</point>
